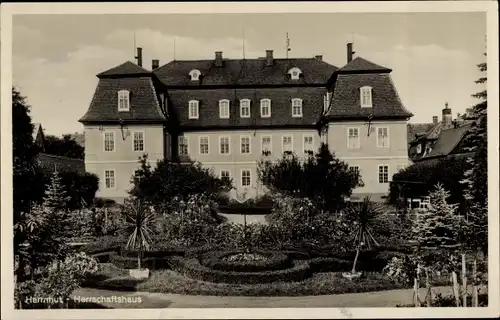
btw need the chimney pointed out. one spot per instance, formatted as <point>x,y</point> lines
<point>447,117</point>
<point>139,57</point>
<point>155,64</point>
<point>218,58</point>
<point>350,53</point>
<point>269,57</point>
<point>319,57</point>
<point>435,119</point>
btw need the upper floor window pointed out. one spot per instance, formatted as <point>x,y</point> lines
<point>353,138</point>
<point>204,147</point>
<point>287,144</point>
<point>195,75</point>
<point>194,112</point>
<point>296,107</point>
<point>224,109</point>
<point>383,174</point>
<point>109,141</point>
<point>294,73</point>
<point>382,137</point>
<point>354,169</point>
<point>183,145</point>
<point>224,145</point>
<point>366,97</point>
<point>245,144</point>
<point>109,179</point>
<point>138,141</point>
<point>308,143</point>
<point>245,108</point>
<point>123,100</point>
<point>266,144</point>
<point>265,108</point>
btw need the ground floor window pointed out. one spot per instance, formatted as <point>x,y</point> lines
<point>109,179</point>
<point>245,178</point>
<point>383,174</point>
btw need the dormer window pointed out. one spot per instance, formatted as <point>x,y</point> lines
<point>296,108</point>
<point>194,112</point>
<point>366,97</point>
<point>265,108</point>
<point>123,100</point>
<point>195,75</point>
<point>224,109</point>
<point>245,108</point>
<point>294,73</point>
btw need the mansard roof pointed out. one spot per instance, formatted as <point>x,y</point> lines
<point>360,65</point>
<point>125,69</point>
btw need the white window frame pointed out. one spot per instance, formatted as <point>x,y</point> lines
<point>208,145</point>
<point>308,135</point>
<point>292,70</point>
<point>125,96</point>
<point>283,142</point>
<point>249,144</point>
<point>262,102</point>
<point>262,143</point>
<point>225,170</point>
<point>222,104</point>
<point>105,178</point>
<point>359,138</point>
<point>143,141</point>
<point>104,141</point>
<point>228,145</point>
<point>378,173</point>
<point>195,75</point>
<point>357,167</point>
<point>362,91</point>
<point>194,103</point>
<point>250,177</point>
<point>299,101</point>
<point>243,106</point>
<point>186,140</point>
<point>388,140</point>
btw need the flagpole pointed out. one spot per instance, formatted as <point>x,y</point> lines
<point>243,43</point>
<point>287,45</point>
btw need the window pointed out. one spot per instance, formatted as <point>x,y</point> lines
<point>383,174</point>
<point>287,143</point>
<point>204,145</point>
<point>326,101</point>
<point>245,108</point>
<point>265,108</point>
<point>294,73</point>
<point>123,100</point>
<point>195,75</point>
<point>419,148</point>
<point>266,144</point>
<point>109,179</point>
<point>382,137</point>
<point>224,109</point>
<point>353,138</point>
<point>138,141</point>
<point>246,178</point>
<point>354,168</point>
<point>366,97</point>
<point>225,174</point>
<point>308,143</point>
<point>296,107</point>
<point>224,145</point>
<point>245,145</point>
<point>109,141</point>
<point>194,109</point>
<point>183,146</point>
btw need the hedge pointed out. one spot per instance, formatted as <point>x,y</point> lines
<point>191,268</point>
<point>234,209</point>
<point>104,244</point>
<point>131,263</point>
<point>275,261</point>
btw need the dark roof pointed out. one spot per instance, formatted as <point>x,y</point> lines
<point>281,106</point>
<point>49,163</point>
<point>37,126</point>
<point>361,65</point>
<point>448,140</point>
<point>144,105</point>
<point>249,72</point>
<point>125,69</point>
<point>417,128</point>
<point>346,97</point>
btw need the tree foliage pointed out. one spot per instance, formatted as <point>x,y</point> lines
<point>322,177</point>
<point>65,147</point>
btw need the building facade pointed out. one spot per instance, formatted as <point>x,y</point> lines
<point>228,114</point>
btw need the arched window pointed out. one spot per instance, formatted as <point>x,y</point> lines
<point>294,73</point>
<point>224,109</point>
<point>195,74</point>
<point>297,108</point>
<point>123,100</point>
<point>245,108</point>
<point>194,112</point>
<point>265,108</point>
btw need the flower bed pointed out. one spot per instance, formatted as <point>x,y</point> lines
<point>235,261</point>
<point>192,268</point>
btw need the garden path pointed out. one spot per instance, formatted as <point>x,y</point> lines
<point>251,218</point>
<point>386,299</point>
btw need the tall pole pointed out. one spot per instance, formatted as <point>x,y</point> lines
<point>287,45</point>
<point>174,48</point>
<point>243,44</point>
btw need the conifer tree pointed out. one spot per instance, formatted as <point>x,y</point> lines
<point>55,195</point>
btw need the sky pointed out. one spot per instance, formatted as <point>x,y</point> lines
<point>433,55</point>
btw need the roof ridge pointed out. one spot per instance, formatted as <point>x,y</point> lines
<point>360,64</point>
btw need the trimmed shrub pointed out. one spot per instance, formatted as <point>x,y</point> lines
<point>131,263</point>
<point>104,244</point>
<point>324,264</point>
<point>274,261</point>
<point>191,268</point>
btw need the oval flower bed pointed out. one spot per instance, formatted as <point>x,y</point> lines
<point>239,261</point>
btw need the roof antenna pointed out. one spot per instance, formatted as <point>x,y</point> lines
<point>287,45</point>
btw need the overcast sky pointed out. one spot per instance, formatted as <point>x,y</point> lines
<point>433,55</point>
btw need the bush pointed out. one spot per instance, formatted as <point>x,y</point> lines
<point>104,244</point>
<point>151,263</point>
<point>324,264</point>
<point>191,268</point>
<point>274,261</point>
